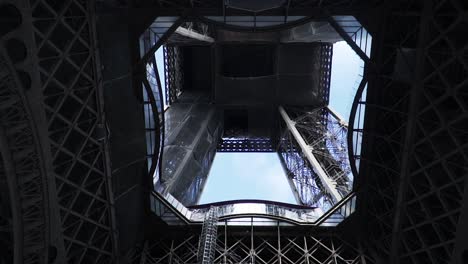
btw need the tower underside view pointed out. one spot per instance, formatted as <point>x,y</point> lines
<point>112,112</point>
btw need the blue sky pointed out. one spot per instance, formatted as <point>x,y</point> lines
<point>247,176</point>
<point>346,68</point>
<point>260,175</point>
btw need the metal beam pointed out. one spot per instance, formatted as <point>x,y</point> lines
<point>338,117</point>
<point>307,150</point>
<point>410,133</point>
<point>348,39</point>
<point>161,40</point>
<point>193,35</point>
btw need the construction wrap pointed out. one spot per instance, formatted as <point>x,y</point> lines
<point>192,127</point>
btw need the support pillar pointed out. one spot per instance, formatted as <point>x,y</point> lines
<point>328,183</point>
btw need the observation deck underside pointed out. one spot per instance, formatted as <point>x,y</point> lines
<point>105,148</point>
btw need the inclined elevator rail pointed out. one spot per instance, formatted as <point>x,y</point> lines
<point>207,243</point>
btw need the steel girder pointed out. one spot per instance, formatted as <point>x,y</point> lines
<point>414,172</point>
<point>246,145</point>
<point>64,81</point>
<point>221,7</point>
<point>249,245</point>
<point>313,150</point>
<point>174,73</point>
<point>153,108</point>
<point>22,171</point>
<point>191,33</point>
<point>207,242</point>
<point>326,55</point>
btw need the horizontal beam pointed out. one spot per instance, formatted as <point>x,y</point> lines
<point>193,35</point>
<point>307,150</point>
<point>348,39</point>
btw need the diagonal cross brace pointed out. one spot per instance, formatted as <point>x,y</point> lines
<point>306,149</point>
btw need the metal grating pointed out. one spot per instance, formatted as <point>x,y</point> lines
<point>325,135</point>
<point>416,172</point>
<point>65,48</point>
<point>247,246</point>
<point>326,54</point>
<point>439,152</point>
<point>21,173</point>
<point>245,145</point>
<point>174,73</point>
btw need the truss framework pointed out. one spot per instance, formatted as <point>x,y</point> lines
<point>246,145</point>
<point>70,83</point>
<point>313,150</point>
<point>326,55</point>
<point>416,174</point>
<point>191,33</point>
<point>21,173</point>
<point>249,246</point>
<point>174,73</point>
<point>207,242</point>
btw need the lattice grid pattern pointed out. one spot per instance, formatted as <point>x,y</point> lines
<point>438,164</point>
<point>326,136</point>
<point>426,115</point>
<point>208,237</point>
<point>246,145</point>
<point>326,54</point>
<point>268,247</point>
<point>21,168</point>
<point>174,73</point>
<point>63,32</point>
<point>306,182</point>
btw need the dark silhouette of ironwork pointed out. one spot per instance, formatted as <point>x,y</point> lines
<point>70,195</point>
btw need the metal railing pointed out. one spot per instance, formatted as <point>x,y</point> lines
<point>174,213</point>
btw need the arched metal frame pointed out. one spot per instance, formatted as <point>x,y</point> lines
<point>157,113</point>
<point>283,26</point>
<point>157,151</point>
<point>58,139</point>
<point>352,149</point>
<point>19,151</point>
<point>148,57</point>
<point>173,212</point>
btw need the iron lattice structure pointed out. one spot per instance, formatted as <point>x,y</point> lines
<point>326,54</point>
<point>57,201</point>
<point>23,232</point>
<point>174,74</point>
<point>246,145</point>
<point>249,245</point>
<point>66,215</point>
<point>325,135</point>
<point>183,36</point>
<point>416,124</point>
<point>209,233</point>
